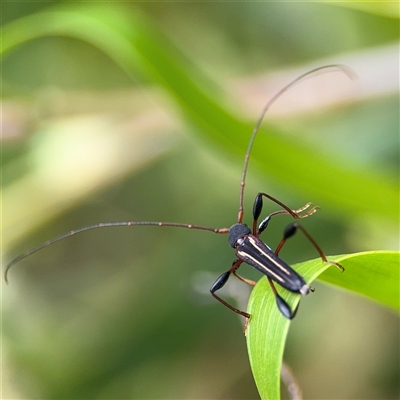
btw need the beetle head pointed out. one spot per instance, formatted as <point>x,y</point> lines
<point>236,231</point>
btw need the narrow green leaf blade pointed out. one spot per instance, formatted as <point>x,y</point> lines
<point>371,274</point>
<point>375,275</point>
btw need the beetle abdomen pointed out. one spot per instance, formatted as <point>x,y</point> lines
<point>256,253</point>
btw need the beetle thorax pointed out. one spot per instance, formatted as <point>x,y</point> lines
<point>236,232</point>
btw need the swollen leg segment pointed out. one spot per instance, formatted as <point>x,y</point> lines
<point>220,282</point>
<point>281,304</point>
<point>258,205</point>
<point>291,229</point>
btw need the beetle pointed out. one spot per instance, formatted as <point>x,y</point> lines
<point>246,242</point>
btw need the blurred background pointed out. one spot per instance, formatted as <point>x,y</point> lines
<point>87,137</point>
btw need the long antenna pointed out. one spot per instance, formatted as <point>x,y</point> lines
<point>106,225</point>
<point>341,68</point>
<point>324,69</point>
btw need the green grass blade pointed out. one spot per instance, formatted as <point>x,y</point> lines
<point>134,44</point>
<point>371,274</point>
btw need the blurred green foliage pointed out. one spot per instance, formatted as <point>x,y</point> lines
<point>116,132</point>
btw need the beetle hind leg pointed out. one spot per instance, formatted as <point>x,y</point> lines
<point>282,305</point>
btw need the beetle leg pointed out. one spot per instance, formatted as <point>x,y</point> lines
<point>291,229</point>
<point>283,307</point>
<point>220,282</point>
<point>258,205</point>
<point>245,280</point>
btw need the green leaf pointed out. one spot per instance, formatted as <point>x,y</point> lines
<point>136,45</point>
<point>371,274</point>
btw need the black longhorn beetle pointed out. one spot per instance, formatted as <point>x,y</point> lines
<point>249,248</point>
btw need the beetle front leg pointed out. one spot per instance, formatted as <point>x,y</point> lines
<point>258,205</point>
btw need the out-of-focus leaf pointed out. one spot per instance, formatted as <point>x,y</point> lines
<point>69,160</point>
<point>139,49</point>
<point>372,274</point>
